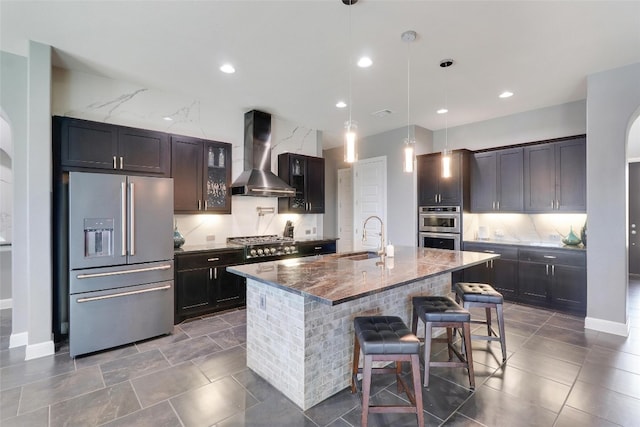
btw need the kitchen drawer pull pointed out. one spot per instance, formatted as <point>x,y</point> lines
<point>549,257</point>
<point>116,273</point>
<point>489,251</point>
<point>123,294</point>
<point>317,248</point>
<point>213,259</point>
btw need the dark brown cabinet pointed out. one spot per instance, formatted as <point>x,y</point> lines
<point>555,176</point>
<point>93,145</point>
<point>306,175</point>
<point>201,171</point>
<point>553,278</point>
<point>433,188</point>
<point>501,273</point>
<point>203,285</point>
<point>497,181</point>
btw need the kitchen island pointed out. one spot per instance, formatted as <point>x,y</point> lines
<point>300,311</point>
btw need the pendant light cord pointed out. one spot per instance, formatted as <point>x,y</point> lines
<point>408,91</point>
<point>349,63</point>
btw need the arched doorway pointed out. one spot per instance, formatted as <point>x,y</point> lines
<point>6,208</point>
<point>633,157</point>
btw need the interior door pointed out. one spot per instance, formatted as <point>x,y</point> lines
<point>370,198</point>
<point>634,218</point>
<point>345,210</point>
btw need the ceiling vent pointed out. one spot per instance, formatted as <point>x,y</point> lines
<point>381,113</point>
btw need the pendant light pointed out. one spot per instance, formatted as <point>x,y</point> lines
<point>409,143</point>
<point>350,136</point>
<point>446,153</point>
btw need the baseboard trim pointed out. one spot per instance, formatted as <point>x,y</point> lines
<point>6,303</point>
<point>18,340</point>
<point>608,326</point>
<point>42,349</point>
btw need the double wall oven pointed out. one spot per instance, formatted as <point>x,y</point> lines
<point>439,227</point>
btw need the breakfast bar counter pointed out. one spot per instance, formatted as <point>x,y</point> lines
<point>300,311</point>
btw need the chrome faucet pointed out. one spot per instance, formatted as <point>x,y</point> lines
<point>381,252</point>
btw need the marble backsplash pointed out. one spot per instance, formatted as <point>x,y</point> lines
<point>525,228</point>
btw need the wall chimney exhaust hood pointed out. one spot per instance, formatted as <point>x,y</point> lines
<point>257,178</point>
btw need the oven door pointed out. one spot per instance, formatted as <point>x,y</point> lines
<point>449,241</point>
<point>439,222</point>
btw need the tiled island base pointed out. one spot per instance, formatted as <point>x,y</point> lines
<point>304,347</point>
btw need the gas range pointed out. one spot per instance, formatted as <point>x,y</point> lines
<point>265,248</point>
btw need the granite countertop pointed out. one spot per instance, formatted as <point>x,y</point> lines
<point>337,278</point>
<point>550,245</point>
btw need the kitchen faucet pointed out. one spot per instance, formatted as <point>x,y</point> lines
<point>381,252</point>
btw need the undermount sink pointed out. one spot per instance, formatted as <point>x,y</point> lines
<point>358,256</point>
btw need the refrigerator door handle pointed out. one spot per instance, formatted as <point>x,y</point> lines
<point>123,217</point>
<point>116,273</point>
<point>124,294</point>
<point>132,220</point>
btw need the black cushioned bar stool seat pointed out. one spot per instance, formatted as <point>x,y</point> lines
<point>483,295</point>
<point>386,338</point>
<point>441,311</point>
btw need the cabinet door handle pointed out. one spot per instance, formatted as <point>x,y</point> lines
<point>498,205</point>
<point>199,204</point>
<point>206,205</point>
<point>547,268</point>
<point>493,205</point>
<point>114,162</point>
<point>120,162</point>
<point>553,270</point>
<point>210,273</point>
<point>215,273</point>
<point>213,259</point>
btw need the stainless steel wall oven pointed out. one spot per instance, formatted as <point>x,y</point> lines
<point>439,227</point>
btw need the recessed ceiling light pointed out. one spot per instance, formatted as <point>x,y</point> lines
<point>227,69</point>
<point>341,104</point>
<point>442,111</point>
<point>365,62</point>
<point>506,94</point>
<point>167,118</point>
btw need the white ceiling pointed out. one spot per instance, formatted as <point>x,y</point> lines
<point>292,56</point>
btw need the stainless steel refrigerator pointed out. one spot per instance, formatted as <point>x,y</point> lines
<point>120,260</point>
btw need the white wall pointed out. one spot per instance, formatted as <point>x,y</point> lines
<point>92,97</point>
<point>536,125</point>
<point>13,100</point>
<point>613,103</point>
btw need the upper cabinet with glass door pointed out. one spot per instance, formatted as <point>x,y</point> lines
<point>201,171</point>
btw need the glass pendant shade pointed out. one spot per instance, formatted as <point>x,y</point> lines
<point>409,157</point>
<point>350,137</point>
<point>446,163</point>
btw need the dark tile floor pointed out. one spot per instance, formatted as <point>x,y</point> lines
<point>557,374</point>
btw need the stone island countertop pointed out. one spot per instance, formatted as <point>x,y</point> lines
<point>338,278</point>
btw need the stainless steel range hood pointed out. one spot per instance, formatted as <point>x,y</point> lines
<point>257,178</point>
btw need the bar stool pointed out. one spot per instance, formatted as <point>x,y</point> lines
<point>441,311</point>
<point>386,338</point>
<point>483,295</point>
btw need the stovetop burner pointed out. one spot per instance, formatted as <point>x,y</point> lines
<point>257,240</point>
<point>271,246</point>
